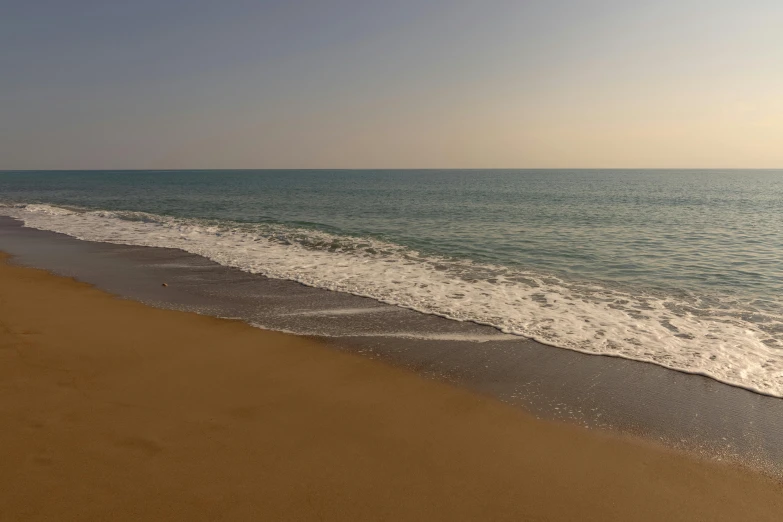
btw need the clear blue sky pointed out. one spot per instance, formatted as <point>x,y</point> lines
<point>441,83</point>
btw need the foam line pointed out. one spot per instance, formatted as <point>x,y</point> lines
<point>694,334</point>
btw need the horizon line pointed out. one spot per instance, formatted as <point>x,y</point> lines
<point>376,169</point>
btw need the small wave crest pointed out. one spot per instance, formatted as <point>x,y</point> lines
<point>721,338</point>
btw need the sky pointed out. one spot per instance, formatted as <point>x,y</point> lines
<point>167,84</point>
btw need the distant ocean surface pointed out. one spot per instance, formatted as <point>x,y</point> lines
<point>679,268</point>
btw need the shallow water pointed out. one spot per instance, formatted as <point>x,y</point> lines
<point>679,268</point>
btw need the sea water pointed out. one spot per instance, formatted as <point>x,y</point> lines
<point>679,268</point>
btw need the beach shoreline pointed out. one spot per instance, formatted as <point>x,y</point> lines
<point>687,412</point>
<point>114,408</point>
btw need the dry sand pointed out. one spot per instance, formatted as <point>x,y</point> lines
<point>111,410</point>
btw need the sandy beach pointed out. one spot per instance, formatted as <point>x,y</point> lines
<point>115,410</point>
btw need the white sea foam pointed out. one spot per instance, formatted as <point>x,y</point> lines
<point>682,333</point>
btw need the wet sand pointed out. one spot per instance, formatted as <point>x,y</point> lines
<point>113,410</point>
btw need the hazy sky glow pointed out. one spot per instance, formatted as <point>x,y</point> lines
<point>390,84</point>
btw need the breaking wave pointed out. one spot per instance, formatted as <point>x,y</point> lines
<point>716,336</point>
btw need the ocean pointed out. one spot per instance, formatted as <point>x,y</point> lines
<point>680,268</point>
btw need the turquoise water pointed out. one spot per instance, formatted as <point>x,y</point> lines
<point>680,268</point>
